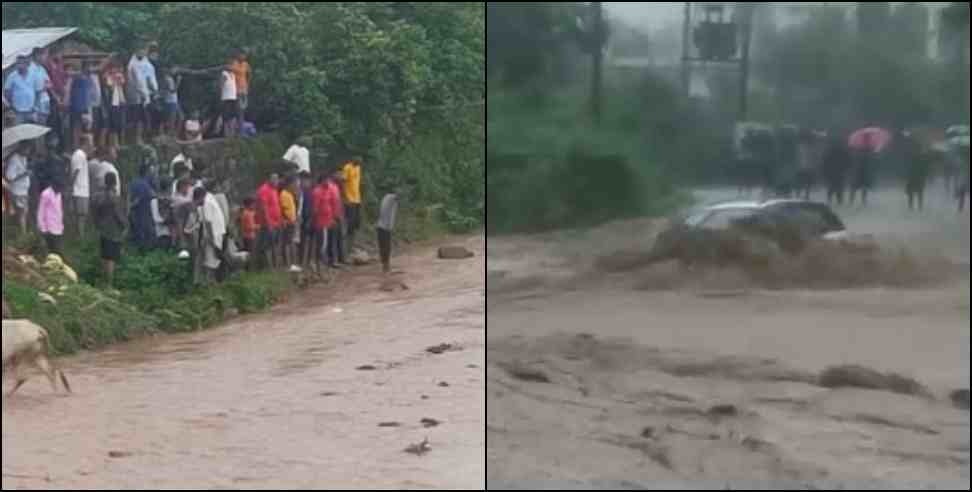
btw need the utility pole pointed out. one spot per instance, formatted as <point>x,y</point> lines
<point>598,47</point>
<point>746,24</point>
<point>686,40</point>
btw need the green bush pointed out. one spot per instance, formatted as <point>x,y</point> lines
<point>550,167</point>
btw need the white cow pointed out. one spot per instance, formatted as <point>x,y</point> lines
<point>26,343</point>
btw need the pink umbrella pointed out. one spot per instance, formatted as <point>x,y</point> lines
<point>871,139</point>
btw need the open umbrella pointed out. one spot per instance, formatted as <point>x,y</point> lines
<point>21,133</point>
<point>871,139</point>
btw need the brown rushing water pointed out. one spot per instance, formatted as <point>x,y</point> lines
<point>276,400</point>
<point>595,381</point>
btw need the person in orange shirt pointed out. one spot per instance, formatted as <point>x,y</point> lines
<point>248,225</point>
<point>244,73</point>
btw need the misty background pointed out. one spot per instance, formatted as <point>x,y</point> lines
<point>628,144</point>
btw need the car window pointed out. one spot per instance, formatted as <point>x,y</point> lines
<point>724,219</point>
<point>818,219</point>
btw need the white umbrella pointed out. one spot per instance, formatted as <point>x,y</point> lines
<point>22,133</point>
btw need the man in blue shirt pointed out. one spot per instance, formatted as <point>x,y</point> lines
<point>20,90</point>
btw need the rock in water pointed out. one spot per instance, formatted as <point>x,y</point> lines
<point>454,253</point>
<point>960,398</point>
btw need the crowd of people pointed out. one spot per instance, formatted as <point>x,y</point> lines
<point>789,161</point>
<point>123,102</point>
<point>295,221</point>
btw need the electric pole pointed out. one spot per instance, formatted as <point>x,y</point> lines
<point>598,47</point>
<point>686,35</point>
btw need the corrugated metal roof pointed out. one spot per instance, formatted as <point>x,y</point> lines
<point>18,42</point>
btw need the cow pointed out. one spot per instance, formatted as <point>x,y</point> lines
<point>25,343</point>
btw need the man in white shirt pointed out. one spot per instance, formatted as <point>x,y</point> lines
<point>100,166</point>
<point>229,95</point>
<point>213,225</point>
<point>143,83</point>
<point>81,183</point>
<point>298,155</point>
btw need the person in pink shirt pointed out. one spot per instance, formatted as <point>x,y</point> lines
<point>335,236</point>
<point>270,219</point>
<point>50,216</point>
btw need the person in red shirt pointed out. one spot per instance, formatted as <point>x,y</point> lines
<point>270,219</point>
<point>323,221</point>
<point>335,243</point>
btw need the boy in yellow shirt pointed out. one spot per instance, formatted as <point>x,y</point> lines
<point>288,208</point>
<point>352,199</point>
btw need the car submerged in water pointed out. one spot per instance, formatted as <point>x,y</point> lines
<point>753,232</point>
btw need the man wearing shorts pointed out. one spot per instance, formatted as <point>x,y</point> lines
<point>270,219</point>
<point>16,175</point>
<point>110,221</point>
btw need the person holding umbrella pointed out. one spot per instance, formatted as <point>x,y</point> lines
<point>17,146</point>
<point>867,144</point>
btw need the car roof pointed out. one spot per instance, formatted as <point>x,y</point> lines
<point>752,204</point>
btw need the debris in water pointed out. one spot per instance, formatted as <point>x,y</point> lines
<point>851,376</point>
<point>367,367</point>
<point>522,373</point>
<point>390,424</point>
<point>724,410</point>
<point>443,384</point>
<point>427,422</point>
<point>420,448</point>
<point>119,454</point>
<point>443,348</point>
<point>329,393</point>
<point>425,397</point>
<point>648,433</point>
<point>337,310</point>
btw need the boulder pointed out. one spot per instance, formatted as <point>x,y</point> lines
<point>454,253</point>
<point>361,258</point>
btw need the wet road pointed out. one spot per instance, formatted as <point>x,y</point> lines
<point>276,400</point>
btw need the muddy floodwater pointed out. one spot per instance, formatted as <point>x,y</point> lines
<point>325,391</point>
<point>641,379</point>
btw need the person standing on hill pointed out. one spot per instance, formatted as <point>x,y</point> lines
<point>323,221</point>
<point>16,172</point>
<point>143,85</point>
<point>50,216</point>
<point>81,183</point>
<point>387,217</point>
<point>299,155</point>
<point>335,236</point>
<point>141,194</point>
<point>244,74</point>
<point>229,96</point>
<point>109,220</point>
<point>270,219</point>
<point>352,199</point>
<point>288,211</point>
